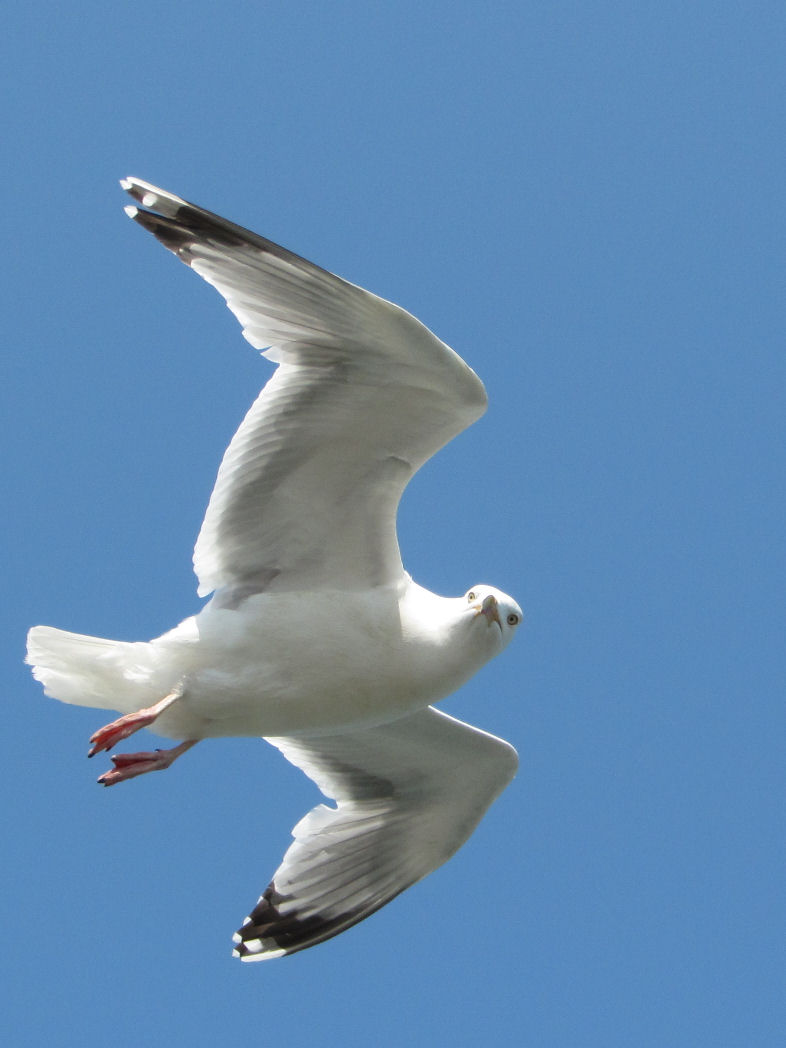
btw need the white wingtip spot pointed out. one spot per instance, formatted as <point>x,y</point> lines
<point>237,937</point>
<point>131,211</point>
<point>125,183</point>
<point>149,200</point>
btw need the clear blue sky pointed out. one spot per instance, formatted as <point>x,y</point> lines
<point>587,202</point>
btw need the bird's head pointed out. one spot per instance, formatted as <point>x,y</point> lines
<point>490,609</point>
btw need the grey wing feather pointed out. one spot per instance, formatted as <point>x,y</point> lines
<point>408,795</point>
<point>365,394</point>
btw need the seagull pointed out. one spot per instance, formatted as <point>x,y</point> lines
<point>315,637</point>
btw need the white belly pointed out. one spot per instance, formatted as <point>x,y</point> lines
<point>285,664</point>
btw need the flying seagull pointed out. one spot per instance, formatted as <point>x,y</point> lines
<point>315,637</point>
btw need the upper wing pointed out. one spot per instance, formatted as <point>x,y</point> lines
<point>409,794</point>
<point>308,489</point>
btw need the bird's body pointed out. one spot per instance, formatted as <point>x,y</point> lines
<point>315,637</point>
<point>389,650</point>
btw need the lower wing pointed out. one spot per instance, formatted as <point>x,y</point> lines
<point>408,795</point>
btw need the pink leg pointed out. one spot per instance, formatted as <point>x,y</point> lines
<point>129,765</point>
<point>109,736</point>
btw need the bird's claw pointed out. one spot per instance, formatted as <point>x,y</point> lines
<point>129,765</point>
<point>107,738</point>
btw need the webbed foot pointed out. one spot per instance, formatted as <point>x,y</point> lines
<point>129,765</point>
<point>108,737</point>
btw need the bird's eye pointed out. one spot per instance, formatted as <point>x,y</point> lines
<point>513,619</point>
<point>471,595</point>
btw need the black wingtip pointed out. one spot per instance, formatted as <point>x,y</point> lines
<point>271,932</point>
<point>171,233</point>
<point>177,223</point>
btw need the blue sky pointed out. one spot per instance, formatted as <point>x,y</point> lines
<point>586,201</point>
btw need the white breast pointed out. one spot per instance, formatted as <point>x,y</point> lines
<point>283,663</point>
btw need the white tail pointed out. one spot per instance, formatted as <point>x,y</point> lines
<point>89,671</point>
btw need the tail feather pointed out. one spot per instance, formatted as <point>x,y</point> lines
<point>88,671</point>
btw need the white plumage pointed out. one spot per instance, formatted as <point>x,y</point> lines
<point>315,637</point>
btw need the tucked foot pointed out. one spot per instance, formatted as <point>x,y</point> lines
<point>108,737</point>
<point>129,765</point>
